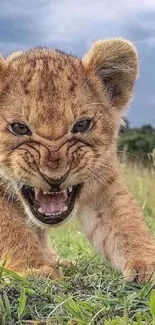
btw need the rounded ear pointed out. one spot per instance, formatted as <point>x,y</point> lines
<point>13,56</point>
<point>115,62</point>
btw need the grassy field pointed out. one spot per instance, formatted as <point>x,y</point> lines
<point>89,293</point>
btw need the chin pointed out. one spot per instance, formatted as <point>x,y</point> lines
<point>49,208</point>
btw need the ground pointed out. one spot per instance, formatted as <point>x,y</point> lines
<point>90,293</point>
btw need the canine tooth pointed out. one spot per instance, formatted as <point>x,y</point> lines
<point>40,210</point>
<point>70,188</point>
<point>65,208</point>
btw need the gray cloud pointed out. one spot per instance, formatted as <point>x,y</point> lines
<point>72,26</point>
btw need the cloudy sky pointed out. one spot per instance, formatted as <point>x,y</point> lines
<point>73,25</point>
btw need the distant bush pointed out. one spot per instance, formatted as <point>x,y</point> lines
<point>137,140</point>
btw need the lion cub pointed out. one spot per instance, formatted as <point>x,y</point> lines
<point>59,122</point>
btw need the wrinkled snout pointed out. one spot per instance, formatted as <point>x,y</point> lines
<point>53,165</point>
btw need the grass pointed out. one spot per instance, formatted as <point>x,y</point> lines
<point>90,293</point>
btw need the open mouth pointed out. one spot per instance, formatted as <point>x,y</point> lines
<point>52,207</point>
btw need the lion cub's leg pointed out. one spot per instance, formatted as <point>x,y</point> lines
<point>24,250</point>
<point>118,231</point>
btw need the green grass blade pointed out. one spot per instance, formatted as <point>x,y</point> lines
<point>7,306</point>
<point>152,305</point>
<point>22,302</point>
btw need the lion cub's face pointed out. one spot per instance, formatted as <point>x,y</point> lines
<point>59,118</point>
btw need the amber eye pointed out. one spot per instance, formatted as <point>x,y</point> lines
<point>19,129</point>
<point>82,126</point>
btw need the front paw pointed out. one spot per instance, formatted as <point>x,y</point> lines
<point>140,270</point>
<point>63,262</point>
<point>42,272</point>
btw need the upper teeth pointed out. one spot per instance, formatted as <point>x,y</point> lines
<point>70,188</point>
<point>46,192</point>
<point>54,192</point>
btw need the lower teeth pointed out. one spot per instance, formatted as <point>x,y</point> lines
<point>52,214</point>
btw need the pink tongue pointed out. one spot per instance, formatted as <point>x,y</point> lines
<point>51,203</point>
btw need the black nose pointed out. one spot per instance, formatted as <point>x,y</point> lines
<point>55,183</point>
<point>55,188</point>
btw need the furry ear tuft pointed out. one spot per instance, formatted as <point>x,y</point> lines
<point>115,62</point>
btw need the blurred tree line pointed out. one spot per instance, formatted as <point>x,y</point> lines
<point>139,141</point>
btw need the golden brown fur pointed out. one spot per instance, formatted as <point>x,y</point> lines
<point>50,91</point>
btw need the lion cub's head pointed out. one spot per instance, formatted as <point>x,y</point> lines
<point>59,119</point>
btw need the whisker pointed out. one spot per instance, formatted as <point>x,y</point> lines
<point>93,200</point>
<point>104,182</point>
